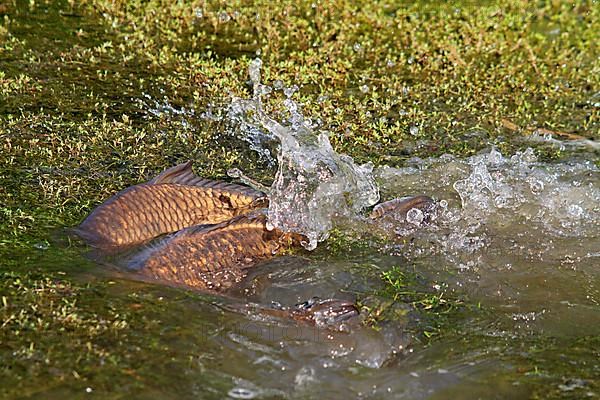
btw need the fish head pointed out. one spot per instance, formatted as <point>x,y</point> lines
<point>399,208</point>
<point>326,312</point>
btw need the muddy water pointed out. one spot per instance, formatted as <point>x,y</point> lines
<point>518,234</point>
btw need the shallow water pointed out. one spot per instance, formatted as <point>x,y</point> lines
<point>514,241</point>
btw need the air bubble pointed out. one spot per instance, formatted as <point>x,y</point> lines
<point>241,393</point>
<point>415,216</point>
<point>575,211</point>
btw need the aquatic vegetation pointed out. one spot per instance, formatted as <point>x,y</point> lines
<point>113,92</point>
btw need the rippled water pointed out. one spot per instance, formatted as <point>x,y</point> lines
<point>514,230</point>
<point>517,237</point>
<point>313,184</point>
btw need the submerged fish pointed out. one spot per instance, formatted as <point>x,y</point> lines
<point>399,207</point>
<point>174,200</point>
<point>216,257</point>
<point>323,313</point>
<point>213,257</point>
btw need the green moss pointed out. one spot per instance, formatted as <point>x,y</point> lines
<point>90,107</point>
<point>434,309</point>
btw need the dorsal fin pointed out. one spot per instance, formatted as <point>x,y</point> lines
<point>183,174</point>
<point>179,174</point>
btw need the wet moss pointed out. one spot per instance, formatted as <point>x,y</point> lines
<point>112,93</point>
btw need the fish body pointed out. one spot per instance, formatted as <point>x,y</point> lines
<point>219,236</point>
<point>399,207</point>
<point>322,313</point>
<point>174,200</point>
<point>212,257</point>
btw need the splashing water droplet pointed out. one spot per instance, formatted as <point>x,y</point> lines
<point>241,393</point>
<point>575,211</point>
<point>313,185</point>
<point>289,91</point>
<point>224,17</point>
<point>536,186</point>
<point>278,84</point>
<point>415,216</point>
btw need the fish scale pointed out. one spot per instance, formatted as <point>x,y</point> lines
<point>198,256</point>
<point>207,257</point>
<point>174,200</point>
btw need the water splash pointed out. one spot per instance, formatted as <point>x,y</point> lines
<point>492,203</point>
<point>313,185</point>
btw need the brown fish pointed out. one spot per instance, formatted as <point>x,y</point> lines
<point>175,199</point>
<point>213,257</point>
<point>323,313</point>
<point>399,207</point>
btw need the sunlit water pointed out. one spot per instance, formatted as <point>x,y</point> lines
<point>518,236</point>
<point>515,238</point>
<point>313,184</point>
<point>512,234</point>
<point>515,233</point>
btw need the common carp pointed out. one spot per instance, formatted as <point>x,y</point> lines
<point>213,257</point>
<point>323,313</point>
<point>399,207</point>
<point>216,257</point>
<point>221,232</point>
<point>173,200</point>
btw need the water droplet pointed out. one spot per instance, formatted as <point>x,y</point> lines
<point>199,13</point>
<point>224,17</point>
<point>501,201</point>
<point>575,211</point>
<point>357,47</point>
<point>495,157</point>
<point>414,130</point>
<point>536,186</point>
<point>415,216</point>
<point>289,91</point>
<point>364,88</point>
<point>278,84</point>
<point>242,393</point>
<point>254,70</point>
<point>42,245</point>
